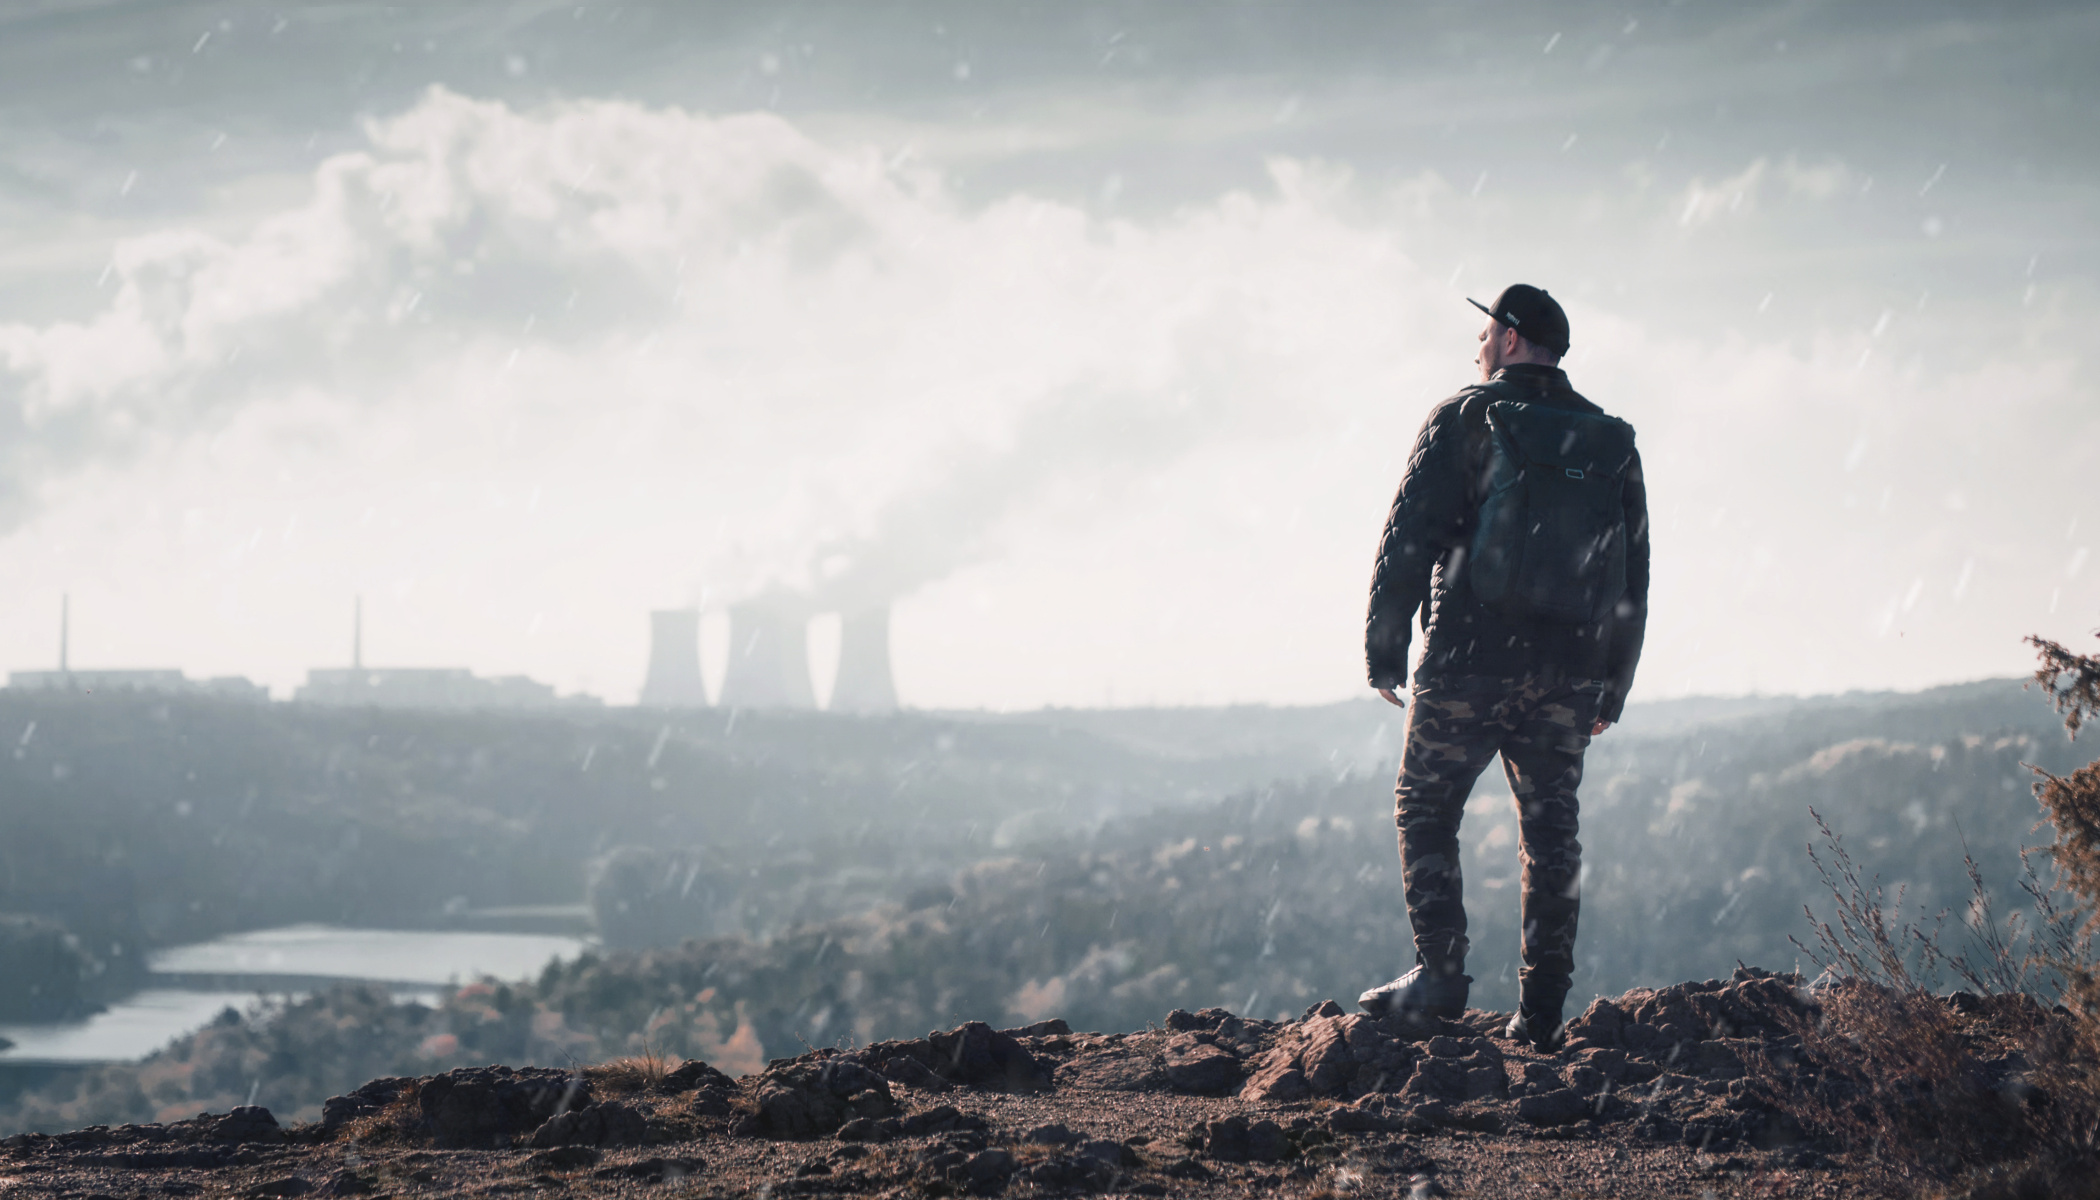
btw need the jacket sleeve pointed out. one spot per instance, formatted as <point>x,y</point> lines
<point>1629,622</point>
<point>1429,516</point>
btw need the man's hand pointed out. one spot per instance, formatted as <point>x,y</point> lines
<point>1600,727</point>
<point>1391,699</point>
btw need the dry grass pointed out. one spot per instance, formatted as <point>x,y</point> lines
<point>390,1124</point>
<point>1993,1092</point>
<point>627,1076</point>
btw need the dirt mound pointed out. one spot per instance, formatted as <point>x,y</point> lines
<point>1653,1083</point>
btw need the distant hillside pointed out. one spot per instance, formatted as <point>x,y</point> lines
<point>134,821</point>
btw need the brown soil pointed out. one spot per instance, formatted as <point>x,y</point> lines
<point>1210,1104</point>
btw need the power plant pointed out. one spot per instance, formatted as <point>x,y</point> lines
<point>674,679</point>
<point>767,667</point>
<point>769,653</point>
<point>864,684</point>
<point>168,681</point>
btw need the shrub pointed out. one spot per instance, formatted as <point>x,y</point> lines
<point>1993,1090</point>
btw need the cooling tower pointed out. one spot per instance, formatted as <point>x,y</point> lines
<point>674,660</point>
<point>864,684</point>
<point>769,654</point>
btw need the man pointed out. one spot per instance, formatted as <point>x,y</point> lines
<point>1517,659</point>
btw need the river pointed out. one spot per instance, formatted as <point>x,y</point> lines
<point>189,985</point>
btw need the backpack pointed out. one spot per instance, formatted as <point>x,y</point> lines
<point>1550,543</point>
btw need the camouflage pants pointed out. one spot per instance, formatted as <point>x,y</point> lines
<point>1541,727</point>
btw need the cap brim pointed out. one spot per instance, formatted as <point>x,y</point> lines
<point>1483,308</point>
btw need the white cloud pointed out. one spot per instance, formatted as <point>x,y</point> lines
<point>517,376</point>
<point>1741,194</point>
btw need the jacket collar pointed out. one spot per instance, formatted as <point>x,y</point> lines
<point>1537,375</point>
<point>1547,385</point>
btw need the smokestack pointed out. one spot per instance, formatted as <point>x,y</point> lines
<point>674,660</point>
<point>864,683</point>
<point>769,654</point>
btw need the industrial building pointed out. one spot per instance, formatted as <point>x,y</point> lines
<point>171,682</point>
<point>164,681</point>
<point>768,659</point>
<point>674,679</point>
<point>427,687</point>
<point>864,683</point>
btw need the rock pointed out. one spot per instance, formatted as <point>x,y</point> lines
<point>711,1102</point>
<point>1115,1154</point>
<point>1224,1140</point>
<point>972,1054</point>
<point>693,1075</point>
<point>979,1056</point>
<point>1336,1056</point>
<point>1186,1168</point>
<point>962,1162</point>
<point>814,1097</point>
<point>861,1129</point>
<point>247,1123</point>
<point>1067,1172</point>
<point>563,1158</point>
<point>1350,1119</point>
<point>1601,1023</point>
<point>1113,1070</point>
<point>1325,1008</point>
<point>1718,1060</point>
<point>1051,1135</point>
<point>1209,1020</point>
<point>1562,1107</point>
<point>347,1183</point>
<point>1485,1079</point>
<point>986,1166</point>
<point>913,1073</point>
<point>1266,1141</point>
<point>607,1124</point>
<point>1054,1027</point>
<point>1543,1076</point>
<point>1325,1056</point>
<point>652,1170</point>
<point>476,1107</point>
<point>1611,1064</point>
<point>1277,1081</point>
<point>1437,1079</point>
<point>1200,1068</point>
<point>337,1111</point>
<point>288,1185</point>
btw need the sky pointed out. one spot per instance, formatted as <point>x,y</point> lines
<point>1092,337</point>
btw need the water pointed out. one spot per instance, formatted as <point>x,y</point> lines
<point>325,953</point>
<point>128,1030</point>
<point>193,984</point>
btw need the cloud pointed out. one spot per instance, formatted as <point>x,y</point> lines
<point>517,375</point>
<point>1702,203</point>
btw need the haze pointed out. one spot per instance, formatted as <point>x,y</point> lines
<point>1091,336</point>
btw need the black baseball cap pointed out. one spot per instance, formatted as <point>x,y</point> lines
<point>1536,316</point>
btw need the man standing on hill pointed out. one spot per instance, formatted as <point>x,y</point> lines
<point>1522,525</point>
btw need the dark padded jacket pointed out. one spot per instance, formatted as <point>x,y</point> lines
<point>1419,562</point>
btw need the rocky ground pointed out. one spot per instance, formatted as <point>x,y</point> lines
<point>1655,1095</point>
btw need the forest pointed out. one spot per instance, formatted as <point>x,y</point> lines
<point>761,883</point>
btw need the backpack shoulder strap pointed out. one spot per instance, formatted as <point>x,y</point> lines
<point>1474,400</point>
